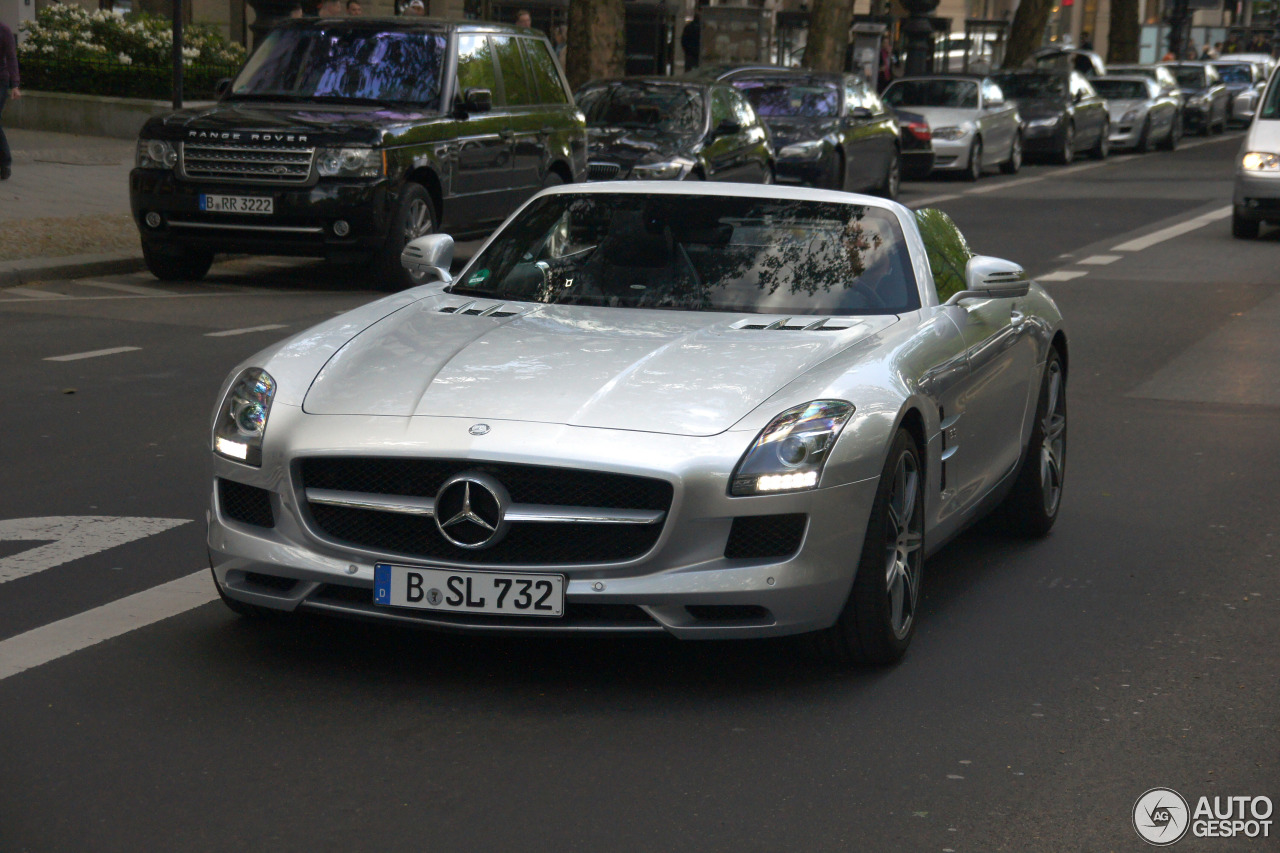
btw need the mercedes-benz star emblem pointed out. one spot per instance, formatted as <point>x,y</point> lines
<point>479,429</point>
<point>471,509</point>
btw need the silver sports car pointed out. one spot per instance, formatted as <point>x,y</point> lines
<point>718,411</point>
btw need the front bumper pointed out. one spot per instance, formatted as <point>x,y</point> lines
<point>1041,139</point>
<point>1257,198</point>
<point>291,565</point>
<point>1196,117</point>
<point>950,155</point>
<point>302,222</point>
<point>1127,135</point>
<point>806,170</point>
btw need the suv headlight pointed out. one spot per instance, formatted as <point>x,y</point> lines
<point>670,170</point>
<point>350,162</point>
<point>1131,116</point>
<point>156,154</point>
<point>950,133</point>
<point>810,150</point>
<point>1260,161</point>
<point>242,417</point>
<point>1043,122</point>
<point>790,452</point>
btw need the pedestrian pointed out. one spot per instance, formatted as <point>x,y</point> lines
<point>560,41</point>
<point>691,42</point>
<point>1168,57</point>
<point>524,19</point>
<point>332,9</point>
<point>354,8</point>
<point>8,89</point>
<point>885,73</point>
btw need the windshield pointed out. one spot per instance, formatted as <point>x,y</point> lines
<point>1271,107</point>
<point>1122,90</point>
<point>667,108</point>
<point>345,64</point>
<point>933,93</point>
<point>1031,85</point>
<point>698,253</point>
<point>807,99</point>
<point>1189,78</point>
<point>1237,73</point>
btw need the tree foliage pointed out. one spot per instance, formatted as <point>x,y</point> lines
<point>597,41</point>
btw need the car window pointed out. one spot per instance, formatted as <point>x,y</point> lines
<point>991,93</point>
<point>475,64</point>
<point>947,250</point>
<point>1032,85</point>
<point>804,97</point>
<point>1271,106</point>
<point>721,107</point>
<point>1124,90</point>
<point>515,83</point>
<point>742,110</point>
<point>664,107</point>
<point>546,76</point>
<point>962,94</point>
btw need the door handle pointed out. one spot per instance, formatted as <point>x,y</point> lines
<point>1017,318</point>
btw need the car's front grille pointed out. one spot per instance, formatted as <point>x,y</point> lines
<point>603,171</point>
<point>279,164</point>
<point>245,504</point>
<point>761,536</point>
<point>340,491</point>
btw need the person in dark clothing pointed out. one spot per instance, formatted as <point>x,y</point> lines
<point>8,89</point>
<point>691,42</point>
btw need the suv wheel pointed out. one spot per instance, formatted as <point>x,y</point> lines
<point>177,264</point>
<point>414,217</point>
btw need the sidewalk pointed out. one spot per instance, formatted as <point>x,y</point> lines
<point>65,211</point>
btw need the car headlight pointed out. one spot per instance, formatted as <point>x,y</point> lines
<point>670,170</point>
<point>810,150</point>
<point>1131,116</point>
<point>350,162</point>
<point>1260,161</point>
<point>242,417</point>
<point>951,133</point>
<point>156,154</point>
<point>789,453</point>
<point>1043,122</point>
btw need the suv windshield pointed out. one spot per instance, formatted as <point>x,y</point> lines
<point>1121,90</point>
<point>1236,73</point>
<point>699,253</point>
<point>933,93</point>
<point>1189,78</point>
<point>806,98</point>
<point>344,63</point>
<point>656,106</point>
<point>1031,85</point>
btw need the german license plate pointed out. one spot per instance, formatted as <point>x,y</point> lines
<point>450,591</point>
<point>237,203</point>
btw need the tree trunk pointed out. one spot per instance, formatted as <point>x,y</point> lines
<point>1027,30</point>
<point>597,41</point>
<point>828,35</point>
<point>1125,32</point>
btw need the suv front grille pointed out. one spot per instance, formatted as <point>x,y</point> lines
<point>247,164</point>
<point>354,480</point>
<point>602,171</point>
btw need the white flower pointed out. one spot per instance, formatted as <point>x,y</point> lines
<point>125,59</point>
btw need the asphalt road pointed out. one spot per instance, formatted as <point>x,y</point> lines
<point>1050,683</point>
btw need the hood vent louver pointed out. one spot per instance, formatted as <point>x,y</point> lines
<point>795,324</point>
<point>482,309</point>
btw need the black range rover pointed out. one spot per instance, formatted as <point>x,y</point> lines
<point>346,138</point>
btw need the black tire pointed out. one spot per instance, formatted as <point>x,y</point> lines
<point>974,171</point>
<point>876,626</point>
<point>1102,147</point>
<point>1244,229</point>
<point>248,611</point>
<point>553,179</point>
<point>1170,142</point>
<point>1144,139</point>
<point>836,173</point>
<point>1032,507</point>
<point>177,264</point>
<point>415,216</point>
<point>892,178</point>
<point>1014,163</point>
<point>1068,151</point>
<point>767,178</point>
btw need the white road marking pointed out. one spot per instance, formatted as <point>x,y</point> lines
<point>71,537</point>
<point>136,289</point>
<point>1061,275</point>
<point>1099,260</point>
<point>1140,243</point>
<point>50,642</point>
<point>937,199</point>
<point>32,293</point>
<point>76,356</point>
<point>228,332</point>
<point>1004,185</point>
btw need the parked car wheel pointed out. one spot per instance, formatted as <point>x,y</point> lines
<point>1170,142</point>
<point>177,264</point>
<point>974,172</point>
<point>1102,148</point>
<point>836,175</point>
<point>1144,140</point>
<point>767,178</point>
<point>1244,229</point>
<point>1014,163</point>
<point>892,178</point>
<point>415,217</point>
<point>1032,507</point>
<point>879,618</point>
<point>1068,151</point>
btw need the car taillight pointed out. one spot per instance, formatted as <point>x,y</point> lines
<point>920,131</point>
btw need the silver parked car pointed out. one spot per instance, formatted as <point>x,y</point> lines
<point>1142,116</point>
<point>1245,82</point>
<point>973,125</point>
<point>719,411</point>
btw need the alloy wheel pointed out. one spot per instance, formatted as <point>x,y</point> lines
<point>903,541</point>
<point>1053,447</point>
<point>417,222</point>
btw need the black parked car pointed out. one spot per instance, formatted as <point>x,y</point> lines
<point>917,144</point>
<point>1207,103</point>
<point>1062,113</point>
<point>346,138</point>
<point>829,129</point>
<point>660,129</point>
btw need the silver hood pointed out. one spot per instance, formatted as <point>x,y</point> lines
<point>685,373</point>
<point>944,116</point>
<point>1118,108</point>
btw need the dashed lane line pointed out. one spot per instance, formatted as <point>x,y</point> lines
<point>77,356</point>
<point>31,293</point>
<point>1062,275</point>
<point>1140,243</point>
<point>1099,260</point>
<point>226,333</point>
<point>59,639</point>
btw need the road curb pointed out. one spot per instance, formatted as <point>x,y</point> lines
<point>14,273</point>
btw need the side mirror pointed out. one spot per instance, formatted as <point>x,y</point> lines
<point>992,278</point>
<point>221,88</point>
<point>1077,97</point>
<point>728,127</point>
<point>994,103</point>
<point>477,100</point>
<point>428,258</point>
<point>861,113</point>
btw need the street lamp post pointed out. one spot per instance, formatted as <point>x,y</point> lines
<point>1179,18</point>
<point>919,34</point>
<point>177,54</point>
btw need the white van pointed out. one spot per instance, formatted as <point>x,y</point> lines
<point>1257,194</point>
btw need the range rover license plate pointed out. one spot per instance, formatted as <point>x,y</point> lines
<point>237,203</point>
<point>514,594</point>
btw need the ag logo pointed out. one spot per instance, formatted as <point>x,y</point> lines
<point>1161,816</point>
